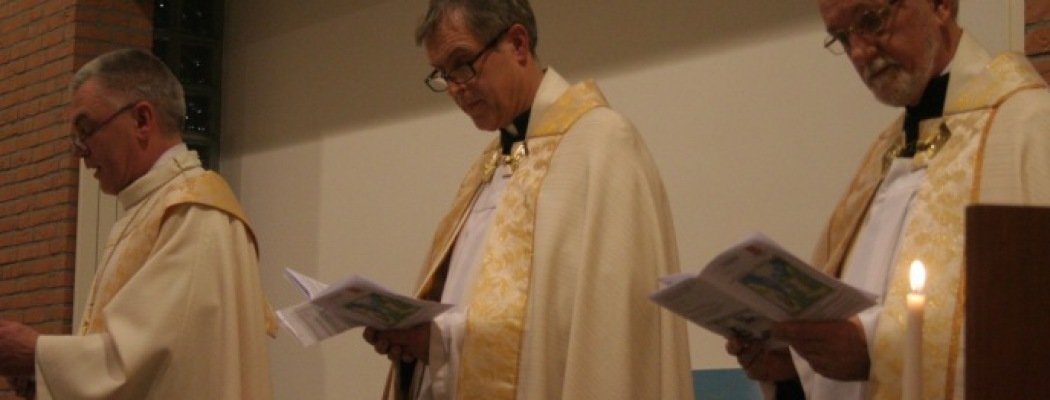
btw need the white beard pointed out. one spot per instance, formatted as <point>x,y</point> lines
<point>895,86</point>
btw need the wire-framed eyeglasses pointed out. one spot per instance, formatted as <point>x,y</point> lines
<point>80,135</point>
<point>868,24</point>
<point>438,80</point>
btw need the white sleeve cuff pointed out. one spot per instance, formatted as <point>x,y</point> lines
<point>868,318</point>
<point>446,338</point>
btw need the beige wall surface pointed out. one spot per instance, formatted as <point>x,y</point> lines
<point>345,162</point>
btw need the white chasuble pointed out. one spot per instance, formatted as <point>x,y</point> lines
<point>990,145</point>
<point>176,309</point>
<point>582,232</point>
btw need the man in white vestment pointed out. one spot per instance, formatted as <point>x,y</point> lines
<point>176,309</point>
<point>976,129</point>
<point>558,234</point>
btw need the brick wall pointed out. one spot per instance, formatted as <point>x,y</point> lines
<point>1037,34</point>
<point>42,43</point>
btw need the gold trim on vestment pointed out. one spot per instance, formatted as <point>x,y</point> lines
<point>931,139</point>
<point>1005,75</point>
<point>491,355</point>
<point>127,252</point>
<point>935,234</point>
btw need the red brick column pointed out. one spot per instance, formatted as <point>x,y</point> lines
<point>42,43</point>
<point>1037,34</point>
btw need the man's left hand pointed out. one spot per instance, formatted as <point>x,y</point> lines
<point>17,348</point>
<point>835,349</point>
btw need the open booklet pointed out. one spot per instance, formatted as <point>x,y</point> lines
<point>747,287</point>
<point>354,302</point>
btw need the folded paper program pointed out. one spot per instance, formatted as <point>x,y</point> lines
<point>747,287</point>
<point>356,301</point>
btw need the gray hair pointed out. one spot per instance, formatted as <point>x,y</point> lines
<point>138,75</point>
<point>484,18</point>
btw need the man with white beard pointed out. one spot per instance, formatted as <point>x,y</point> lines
<point>975,129</point>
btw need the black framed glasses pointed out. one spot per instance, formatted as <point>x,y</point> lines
<point>81,135</point>
<point>868,24</point>
<point>438,80</point>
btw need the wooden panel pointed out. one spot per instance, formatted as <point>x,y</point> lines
<point>1007,326</point>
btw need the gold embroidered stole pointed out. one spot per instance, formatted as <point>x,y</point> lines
<point>934,232</point>
<point>128,250</point>
<point>491,355</point>
<point>496,315</point>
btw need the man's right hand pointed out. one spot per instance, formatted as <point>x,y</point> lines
<point>24,386</point>
<point>17,348</point>
<point>404,345</point>
<point>760,362</point>
<point>835,349</point>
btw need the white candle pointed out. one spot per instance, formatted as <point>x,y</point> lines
<point>912,379</point>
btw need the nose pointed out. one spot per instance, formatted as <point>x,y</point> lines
<point>862,49</point>
<point>455,88</point>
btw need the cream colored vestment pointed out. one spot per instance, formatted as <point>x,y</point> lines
<point>991,146</point>
<point>560,308</point>
<point>176,310</point>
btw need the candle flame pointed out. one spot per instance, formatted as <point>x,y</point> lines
<point>917,275</point>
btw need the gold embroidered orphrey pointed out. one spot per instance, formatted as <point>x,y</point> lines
<point>496,317</point>
<point>934,233</point>
<point>491,354</point>
<point>136,239</point>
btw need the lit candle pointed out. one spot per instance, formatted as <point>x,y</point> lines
<point>912,379</point>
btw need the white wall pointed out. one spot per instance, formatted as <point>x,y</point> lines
<point>345,161</point>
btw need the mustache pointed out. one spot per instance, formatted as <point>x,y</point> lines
<point>876,66</point>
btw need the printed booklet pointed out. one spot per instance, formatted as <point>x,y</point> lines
<point>754,283</point>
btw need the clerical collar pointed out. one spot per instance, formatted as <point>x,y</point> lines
<point>931,105</point>
<point>514,132</point>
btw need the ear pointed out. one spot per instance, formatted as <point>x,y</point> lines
<point>522,44</point>
<point>942,9</point>
<point>146,123</point>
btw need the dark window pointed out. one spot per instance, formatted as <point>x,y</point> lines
<point>187,35</point>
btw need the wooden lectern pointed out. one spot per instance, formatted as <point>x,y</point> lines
<point>1007,302</point>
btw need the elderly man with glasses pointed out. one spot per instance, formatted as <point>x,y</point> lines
<point>176,309</point>
<point>558,234</point>
<point>975,129</point>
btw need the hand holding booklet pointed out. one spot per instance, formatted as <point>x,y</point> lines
<point>754,283</point>
<point>354,302</point>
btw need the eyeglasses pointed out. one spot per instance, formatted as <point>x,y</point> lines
<point>81,135</point>
<point>870,23</point>
<point>438,80</point>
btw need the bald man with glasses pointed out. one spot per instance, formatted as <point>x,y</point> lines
<point>975,129</point>
<point>557,236</point>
